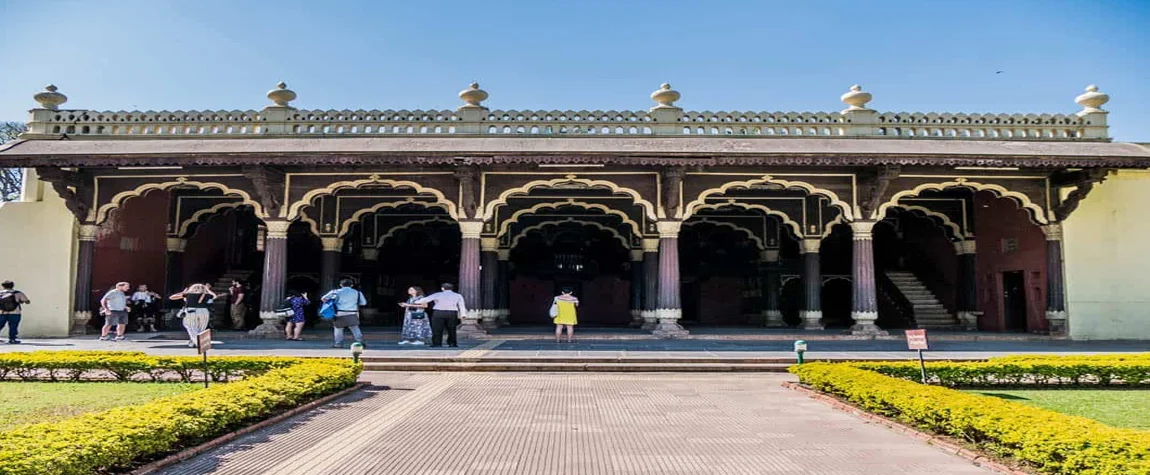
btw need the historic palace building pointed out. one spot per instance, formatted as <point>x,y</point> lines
<point>662,219</point>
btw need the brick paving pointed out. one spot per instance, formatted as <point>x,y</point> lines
<point>578,424</point>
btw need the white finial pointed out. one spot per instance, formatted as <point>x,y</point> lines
<point>50,99</point>
<point>856,99</point>
<point>665,97</point>
<point>281,96</point>
<point>1092,100</point>
<point>473,97</point>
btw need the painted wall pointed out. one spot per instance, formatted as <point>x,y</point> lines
<point>131,245</point>
<point>996,220</point>
<point>1107,260</point>
<point>37,239</point>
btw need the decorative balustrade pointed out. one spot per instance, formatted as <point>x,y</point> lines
<point>665,119</point>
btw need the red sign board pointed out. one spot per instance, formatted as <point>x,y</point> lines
<point>916,339</point>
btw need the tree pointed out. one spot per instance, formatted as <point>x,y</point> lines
<point>11,179</point>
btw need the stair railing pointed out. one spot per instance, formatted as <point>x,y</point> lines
<point>894,309</point>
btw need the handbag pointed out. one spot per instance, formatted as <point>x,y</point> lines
<point>327,311</point>
<point>284,310</point>
<point>554,311</point>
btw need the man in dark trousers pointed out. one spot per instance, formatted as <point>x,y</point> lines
<point>449,308</point>
<point>11,301</point>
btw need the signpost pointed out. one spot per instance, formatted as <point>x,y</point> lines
<point>203,344</point>
<point>916,340</point>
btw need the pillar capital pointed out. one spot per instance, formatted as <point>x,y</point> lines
<point>1053,231</point>
<point>769,255</point>
<point>471,229</point>
<point>650,245</point>
<point>636,255</point>
<point>277,229</point>
<point>370,254</point>
<point>965,247</point>
<point>176,244</point>
<point>669,228</point>
<point>862,230</point>
<point>810,246</point>
<point>489,244</point>
<point>88,232</point>
<point>332,244</point>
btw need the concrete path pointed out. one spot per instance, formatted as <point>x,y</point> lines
<point>578,424</point>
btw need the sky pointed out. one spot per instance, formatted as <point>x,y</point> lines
<point>765,55</point>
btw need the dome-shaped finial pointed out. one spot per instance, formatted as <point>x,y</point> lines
<point>50,99</point>
<point>281,96</point>
<point>1092,100</point>
<point>665,97</point>
<point>856,99</point>
<point>473,96</point>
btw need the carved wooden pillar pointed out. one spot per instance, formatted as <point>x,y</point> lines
<point>772,316</point>
<point>812,311</point>
<point>275,276</point>
<point>650,284</point>
<point>503,287</point>
<point>489,275</point>
<point>670,305</point>
<point>636,287</point>
<point>329,263</point>
<point>82,303</point>
<point>865,296</point>
<point>1056,317</point>
<point>469,277</point>
<point>966,299</point>
<point>368,284</point>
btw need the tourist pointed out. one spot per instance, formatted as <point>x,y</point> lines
<point>211,303</point>
<point>295,322</point>
<point>114,307</point>
<point>416,326</point>
<point>145,305</point>
<point>564,315</point>
<point>448,309</point>
<point>195,312</point>
<point>347,303</point>
<point>239,308</point>
<point>11,302</point>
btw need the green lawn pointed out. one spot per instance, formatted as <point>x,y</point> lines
<point>1116,407</point>
<point>26,402</point>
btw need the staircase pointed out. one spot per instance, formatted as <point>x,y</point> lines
<point>220,287</point>
<point>928,311</point>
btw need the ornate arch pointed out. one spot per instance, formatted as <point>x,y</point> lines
<point>186,224</point>
<point>940,219</point>
<point>614,232</point>
<point>408,225</point>
<point>345,226</point>
<point>296,207</point>
<point>100,214</point>
<point>1037,214</point>
<point>506,225</point>
<point>786,220</point>
<point>723,224</point>
<point>700,200</point>
<point>489,208</point>
<point>830,227</point>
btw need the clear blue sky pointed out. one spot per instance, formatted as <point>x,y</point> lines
<point>730,55</point>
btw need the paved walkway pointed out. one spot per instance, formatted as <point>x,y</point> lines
<point>578,424</point>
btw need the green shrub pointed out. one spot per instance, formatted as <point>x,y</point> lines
<point>1065,371</point>
<point>1053,443</point>
<point>127,366</point>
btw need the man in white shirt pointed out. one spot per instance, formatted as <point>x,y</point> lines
<point>449,307</point>
<point>145,303</point>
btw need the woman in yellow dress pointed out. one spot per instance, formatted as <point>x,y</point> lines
<point>564,315</point>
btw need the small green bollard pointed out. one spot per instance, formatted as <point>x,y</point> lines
<point>800,348</point>
<point>356,350</point>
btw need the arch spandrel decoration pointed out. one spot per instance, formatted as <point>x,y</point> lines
<point>394,230</point>
<point>941,220</point>
<point>345,226</point>
<point>505,226</point>
<point>1036,212</point>
<point>783,217</point>
<point>293,211</point>
<point>759,244</point>
<point>844,207</point>
<point>537,227</point>
<point>99,214</point>
<point>203,215</point>
<point>489,208</point>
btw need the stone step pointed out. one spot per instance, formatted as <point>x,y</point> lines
<point>575,367</point>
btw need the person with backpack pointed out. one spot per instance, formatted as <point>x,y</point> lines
<point>11,301</point>
<point>347,302</point>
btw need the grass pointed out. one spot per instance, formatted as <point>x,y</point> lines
<point>1116,407</point>
<point>32,402</point>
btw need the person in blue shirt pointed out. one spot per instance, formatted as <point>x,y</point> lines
<point>347,303</point>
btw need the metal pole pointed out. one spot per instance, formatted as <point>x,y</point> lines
<point>922,366</point>
<point>205,369</point>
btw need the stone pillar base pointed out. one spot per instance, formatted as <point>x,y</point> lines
<point>811,319</point>
<point>470,328</point>
<point>650,321</point>
<point>270,326</point>
<point>1056,322</point>
<point>864,324</point>
<point>80,322</point>
<point>487,318</point>
<point>636,319</point>
<point>503,317</point>
<point>773,319</point>
<point>668,327</point>
<point>968,320</point>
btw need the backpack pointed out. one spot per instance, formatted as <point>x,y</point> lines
<point>8,301</point>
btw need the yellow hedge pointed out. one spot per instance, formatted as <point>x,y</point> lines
<point>1021,372</point>
<point>118,438</point>
<point>1053,443</point>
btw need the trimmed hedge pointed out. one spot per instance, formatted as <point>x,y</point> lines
<point>118,438</point>
<point>129,366</point>
<point>1021,372</point>
<point>1107,358</point>
<point>1053,443</point>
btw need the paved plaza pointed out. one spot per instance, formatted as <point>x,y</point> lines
<point>579,424</point>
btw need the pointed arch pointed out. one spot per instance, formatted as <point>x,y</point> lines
<point>345,226</point>
<point>99,215</point>
<point>506,225</point>
<point>293,211</point>
<point>844,207</point>
<point>734,227</point>
<point>1037,214</point>
<point>408,225</point>
<point>786,220</point>
<point>614,232</point>
<point>186,225</point>
<point>940,219</point>
<point>489,208</point>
